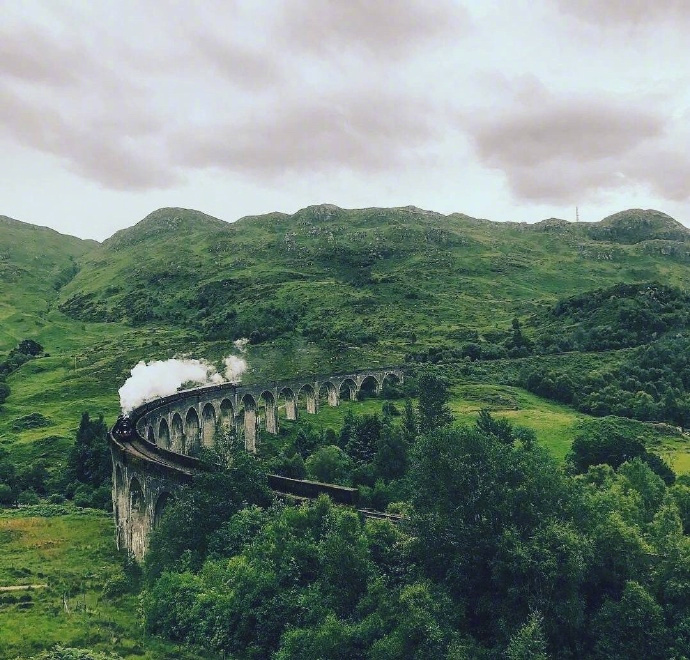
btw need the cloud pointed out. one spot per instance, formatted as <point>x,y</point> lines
<point>257,89</point>
<point>367,132</point>
<point>565,148</point>
<point>111,147</point>
<point>22,57</point>
<point>625,12</point>
<point>374,28</point>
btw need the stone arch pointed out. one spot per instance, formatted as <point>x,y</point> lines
<point>150,435</point>
<point>119,503</point>
<point>137,503</point>
<point>390,385</point>
<point>328,394</point>
<point>192,429</point>
<point>208,425</point>
<point>288,402</point>
<point>307,397</point>
<point>164,434</point>
<point>227,415</point>
<point>249,405</point>
<point>270,411</point>
<point>370,386</point>
<point>161,503</point>
<point>177,434</point>
<point>137,518</point>
<point>348,390</point>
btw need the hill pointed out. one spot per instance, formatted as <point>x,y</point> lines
<point>323,289</point>
<point>355,278</point>
<point>637,225</point>
<point>35,262</point>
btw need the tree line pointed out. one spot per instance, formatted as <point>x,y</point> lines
<point>502,553</point>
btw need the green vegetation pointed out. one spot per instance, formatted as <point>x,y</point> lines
<point>501,554</point>
<point>555,336</point>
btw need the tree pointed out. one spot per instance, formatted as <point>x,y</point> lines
<point>528,643</point>
<point>330,464</point>
<point>364,440</point>
<point>632,627</point>
<point>607,443</point>
<point>500,427</point>
<point>390,461</point>
<point>410,423</point>
<point>89,459</point>
<point>187,526</point>
<point>434,395</point>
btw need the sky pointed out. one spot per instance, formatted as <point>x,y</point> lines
<point>514,110</point>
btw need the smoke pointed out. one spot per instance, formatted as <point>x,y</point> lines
<point>163,377</point>
<point>241,344</point>
<point>234,368</point>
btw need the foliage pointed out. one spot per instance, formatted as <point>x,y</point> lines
<point>67,653</point>
<point>187,526</point>
<point>89,467</point>
<point>329,464</point>
<point>434,395</point>
<point>612,442</point>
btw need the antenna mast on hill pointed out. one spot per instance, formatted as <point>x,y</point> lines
<point>577,214</point>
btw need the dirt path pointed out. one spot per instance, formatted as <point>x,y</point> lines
<point>22,587</point>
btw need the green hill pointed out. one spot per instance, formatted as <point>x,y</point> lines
<point>324,289</point>
<point>393,277</point>
<point>550,325</point>
<point>35,262</point>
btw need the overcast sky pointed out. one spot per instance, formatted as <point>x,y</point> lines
<point>505,109</point>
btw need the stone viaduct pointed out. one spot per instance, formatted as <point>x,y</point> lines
<point>157,454</point>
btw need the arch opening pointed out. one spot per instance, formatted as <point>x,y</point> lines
<point>287,404</point>
<point>250,422</point>
<point>369,388</point>
<point>164,434</point>
<point>150,435</point>
<point>192,431</point>
<point>268,412</point>
<point>391,387</point>
<point>328,395</point>
<point>227,415</point>
<point>118,479</point>
<point>137,504</point>
<point>208,425</point>
<point>306,399</point>
<point>177,434</point>
<point>348,390</point>
<point>161,503</point>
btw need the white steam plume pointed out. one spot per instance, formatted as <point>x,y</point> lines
<point>164,377</point>
<point>234,368</point>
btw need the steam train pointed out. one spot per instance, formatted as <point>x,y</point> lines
<point>123,429</point>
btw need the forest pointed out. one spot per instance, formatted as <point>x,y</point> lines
<point>500,551</point>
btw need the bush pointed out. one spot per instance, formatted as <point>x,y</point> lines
<point>330,464</point>
<point>28,497</point>
<point>4,392</point>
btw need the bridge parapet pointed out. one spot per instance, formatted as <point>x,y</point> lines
<point>188,420</point>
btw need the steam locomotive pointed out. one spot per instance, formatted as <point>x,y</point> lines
<point>123,429</point>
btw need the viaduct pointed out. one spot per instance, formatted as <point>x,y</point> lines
<point>156,453</point>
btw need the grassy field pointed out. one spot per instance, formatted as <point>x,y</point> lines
<point>71,559</point>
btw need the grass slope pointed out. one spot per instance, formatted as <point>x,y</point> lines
<point>325,289</point>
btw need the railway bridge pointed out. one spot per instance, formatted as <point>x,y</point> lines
<point>156,452</point>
